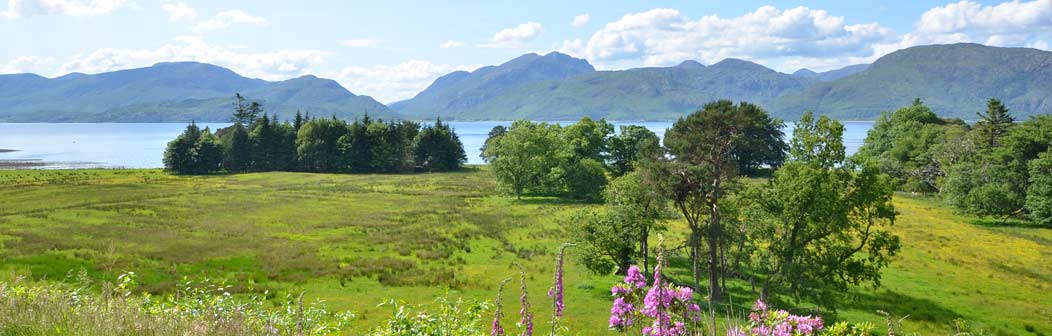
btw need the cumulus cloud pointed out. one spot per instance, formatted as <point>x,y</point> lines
<point>270,65</point>
<point>580,20</point>
<point>227,18</point>
<point>179,11</point>
<point>27,64</point>
<point>359,43</point>
<point>390,83</point>
<point>1015,23</point>
<point>517,36</point>
<point>665,36</point>
<point>452,44</point>
<point>28,8</point>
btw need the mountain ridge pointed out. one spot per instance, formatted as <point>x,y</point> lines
<point>171,92</point>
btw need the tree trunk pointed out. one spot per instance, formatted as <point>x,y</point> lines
<point>695,241</point>
<point>713,240</point>
<point>643,248</point>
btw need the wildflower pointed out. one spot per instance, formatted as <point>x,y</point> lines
<point>556,292</point>
<point>497,330</point>
<point>525,316</point>
<point>736,331</point>
<point>635,277</point>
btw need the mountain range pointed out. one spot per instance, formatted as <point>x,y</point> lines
<point>170,92</point>
<point>955,80</point>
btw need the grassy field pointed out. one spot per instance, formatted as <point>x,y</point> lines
<point>356,240</point>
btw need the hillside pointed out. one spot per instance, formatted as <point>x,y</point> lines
<point>458,91</point>
<point>954,80</point>
<point>658,93</point>
<point>169,92</point>
<point>831,75</point>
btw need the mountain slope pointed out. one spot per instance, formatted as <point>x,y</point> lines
<point>831,75</point>
<point>170,92</point>
<point>461,90</point>
<point>954,80</point>
<point>634,94</point>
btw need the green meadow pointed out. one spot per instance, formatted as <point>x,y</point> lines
<point>355,241</point>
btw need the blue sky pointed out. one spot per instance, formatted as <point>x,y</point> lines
<point>393,49</point>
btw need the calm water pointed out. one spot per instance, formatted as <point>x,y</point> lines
<point>142,145</point>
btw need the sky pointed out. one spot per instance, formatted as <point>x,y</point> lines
<point>392,50</point>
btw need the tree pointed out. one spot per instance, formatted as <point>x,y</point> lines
<point>610,238</point>
<point>266,144</point>
<point>236,148</point>
<point>318,148</point>
<point>900,145</point>
<point>357,146</point>
<point>587,139</point>
<point>633,144</point>
<point>523,157</point>
<point>494,133</point>
<point>179,154</point>
<point>824,223</point>
<point>298,121</point>
<point>702,146</point>
<point>761,145</point>
<point>438,148</point>
<point>1039,192</point>
<point>207,153</point>
<point>245,113</point>
<point>583,179</point>
<point>993,124</point>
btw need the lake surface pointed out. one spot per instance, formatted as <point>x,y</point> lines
<point>118,145</point>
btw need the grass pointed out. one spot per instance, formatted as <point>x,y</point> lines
<point>356,240</point>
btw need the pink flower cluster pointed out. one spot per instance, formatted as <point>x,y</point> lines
<point>667,306</point>
<point>764,322</point>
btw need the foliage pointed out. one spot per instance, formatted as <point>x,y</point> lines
<point>1039,192</point>
<point>523,157</point>
<point>195,151</point>
<point>631,145</point>
<point>706,147</point>
<point>442,318</point>
<point>900,144</point>
<point>438,148</point>
<point>317,145</point>
<point>611,238</point>
<point>198,308</point>
<point>824,224</point>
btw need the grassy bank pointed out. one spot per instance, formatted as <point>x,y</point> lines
<point>356,240</point>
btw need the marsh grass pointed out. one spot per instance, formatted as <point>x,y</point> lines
<point>359,240</point>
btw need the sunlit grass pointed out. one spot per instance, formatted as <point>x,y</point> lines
<point>357,240</point>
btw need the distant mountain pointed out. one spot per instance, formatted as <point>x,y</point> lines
<point>831,75</point>
<point>955,80</point>
<point>635,94</point>
<point>453,93</point>
<point>170,92</point>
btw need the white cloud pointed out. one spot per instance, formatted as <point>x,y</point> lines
<point>27,64</point>
<point>452,44</point>
<point>580,20</point>
<point>359,43</point>
<point>516,37</point>
<point>665,36</point>
<point>179,11</point>
<point>1012,23</point>
<point>270,65</point>
<point>226,18</point>
<point>573,48</point>
<point>390,83</point>
<point>28,8</point>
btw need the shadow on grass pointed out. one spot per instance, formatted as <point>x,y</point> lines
<point>1010,223</point>
<point>899,305</point>
<point>543,200</point>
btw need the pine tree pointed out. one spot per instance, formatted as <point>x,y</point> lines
<point>993,124</point>
<point>179,154</point>
<point>236,149</point>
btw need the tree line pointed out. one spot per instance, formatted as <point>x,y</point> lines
<point>257,142</point>
<point>815,225</point>
<point>996,167</point>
